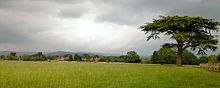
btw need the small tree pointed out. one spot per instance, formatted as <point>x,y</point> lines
<point>2,57</point>
<point>193,32</point>
<point>154,58</point>
<point>26,57</point>
<point>167,56</point>
<point>132,57</point>
<point>189,58</point>
<point>12,56</point>
<point>163,56</point>
<point>86,56</point>
<point>203,59</point>
<point>212,58</point>
<point>77,57</point>
<point>69,57</point>
<point>39,56</point>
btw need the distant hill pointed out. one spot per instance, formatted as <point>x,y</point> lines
<point>58,53</point>
<point>4,52</point>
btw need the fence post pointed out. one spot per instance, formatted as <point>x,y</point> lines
<point>217,66</point>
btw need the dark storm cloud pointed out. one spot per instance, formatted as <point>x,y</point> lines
<point>206,8</point>
<point>139,11</point>
<point>28,6</point>
<point>119,11</point>
<point>19,23</point>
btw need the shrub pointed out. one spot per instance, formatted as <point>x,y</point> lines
<point>212,58</point>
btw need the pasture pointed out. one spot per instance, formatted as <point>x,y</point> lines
<point>15,74</point>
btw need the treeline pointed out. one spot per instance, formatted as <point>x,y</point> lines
<point>168,56</point>
<point>162,56</point>
<point>131,57</point>
<point>39,56</point>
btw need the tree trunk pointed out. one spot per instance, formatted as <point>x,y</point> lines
<point>179,56</point>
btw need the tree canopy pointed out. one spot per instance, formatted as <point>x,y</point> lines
<point>188,32</point>
<point>132,57</point>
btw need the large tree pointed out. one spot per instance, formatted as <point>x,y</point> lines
<point>193,32</point>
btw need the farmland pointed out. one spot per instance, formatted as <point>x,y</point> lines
<point>19,74</point>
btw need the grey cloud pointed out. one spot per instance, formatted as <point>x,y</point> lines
<point>73,11</point>
<point>130,12</point>
<point>68,1</point>
<point>206,8</point>
<point>18,27</point>
<point>29,24</point>
<point>126,12</point>
<point>28,6</point>
<point>9,36</point>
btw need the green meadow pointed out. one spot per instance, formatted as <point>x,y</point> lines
<point>15,74</point>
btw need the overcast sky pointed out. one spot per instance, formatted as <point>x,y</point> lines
<point>108,26</point>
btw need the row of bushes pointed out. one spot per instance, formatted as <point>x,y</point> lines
<point>131,57</point>
<point>162,56</point>
<point>168,56</point>
<point>35,57</point>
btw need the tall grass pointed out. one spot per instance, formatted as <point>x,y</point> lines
<point>93,75</point>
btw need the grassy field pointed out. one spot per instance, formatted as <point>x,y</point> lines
<point>93,75</point>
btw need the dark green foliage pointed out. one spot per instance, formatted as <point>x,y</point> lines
<point>112,59</point>
<point>52,57</point>
<point>69,57</point>
<point>188,32</point>
<point>164,56</point>
<point>2,57</point>
<point>86,56</point>
<point>27,58</point>
<point>189,58</point>
<point>39,56</point>
<point>35,57</point>
<point>95,56</point>
<point>218,58</point>
<point>155,59</point>
<point>212,58</point>
<point>167,56</point>
<point>203,59</point>
<point>77,57</point>
<point>12,56</point>
<point>132,57</point>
